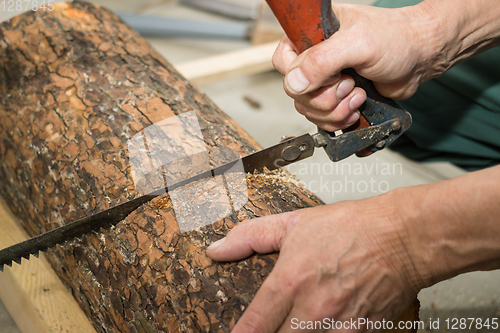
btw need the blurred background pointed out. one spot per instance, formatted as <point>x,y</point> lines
<point>195,35</point>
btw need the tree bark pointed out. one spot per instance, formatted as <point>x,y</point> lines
<point>78,85</point>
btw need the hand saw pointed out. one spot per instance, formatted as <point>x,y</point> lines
<point>306,23</point>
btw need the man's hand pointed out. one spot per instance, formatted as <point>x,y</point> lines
<point>368,258</point>
<point>392,47</point>
<point>341,261</point>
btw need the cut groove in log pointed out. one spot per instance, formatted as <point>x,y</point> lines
<point>77,85</point>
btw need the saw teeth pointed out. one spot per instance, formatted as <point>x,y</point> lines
<point>36,255</point>
<point>18,260</point>
<point>7,263</point>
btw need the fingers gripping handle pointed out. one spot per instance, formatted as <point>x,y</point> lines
<point>309,22</point>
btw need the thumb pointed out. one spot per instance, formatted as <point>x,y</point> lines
<point>261,235</point>
<point>320,65</point>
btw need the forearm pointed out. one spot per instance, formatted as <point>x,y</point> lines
<point>463,28</point>
<point>453,226</point>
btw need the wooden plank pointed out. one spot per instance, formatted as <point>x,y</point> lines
<point>251,60</point>
<point>33,294</point>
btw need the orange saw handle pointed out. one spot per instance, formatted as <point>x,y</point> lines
<point>309,22</point>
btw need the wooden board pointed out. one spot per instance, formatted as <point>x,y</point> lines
<point>252,60</point>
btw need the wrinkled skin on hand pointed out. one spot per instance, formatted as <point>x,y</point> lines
<point>332,264</point>
<point>368,258</point>
<point>394,48</point>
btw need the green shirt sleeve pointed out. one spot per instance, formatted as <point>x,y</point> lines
<point>456,117</point>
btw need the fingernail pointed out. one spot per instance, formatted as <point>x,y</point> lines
<point>344,88</point>
<point>216,244</point>
<point>352,118</point>
<point>296,81</point>
<point>356,101</point>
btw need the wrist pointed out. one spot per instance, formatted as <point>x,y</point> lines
<point>417,234</point>
<point>395,238</point>
<point>429,218</point>
<point>456,30</point>
<point>431,34</point>
<point>413,240</point>
<point>451,227</point>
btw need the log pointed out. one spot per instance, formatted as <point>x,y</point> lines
<point>84,100</point>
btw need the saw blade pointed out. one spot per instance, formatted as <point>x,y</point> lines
<point>270,158</point>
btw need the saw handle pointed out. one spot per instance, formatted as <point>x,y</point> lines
<point>309,22</point>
